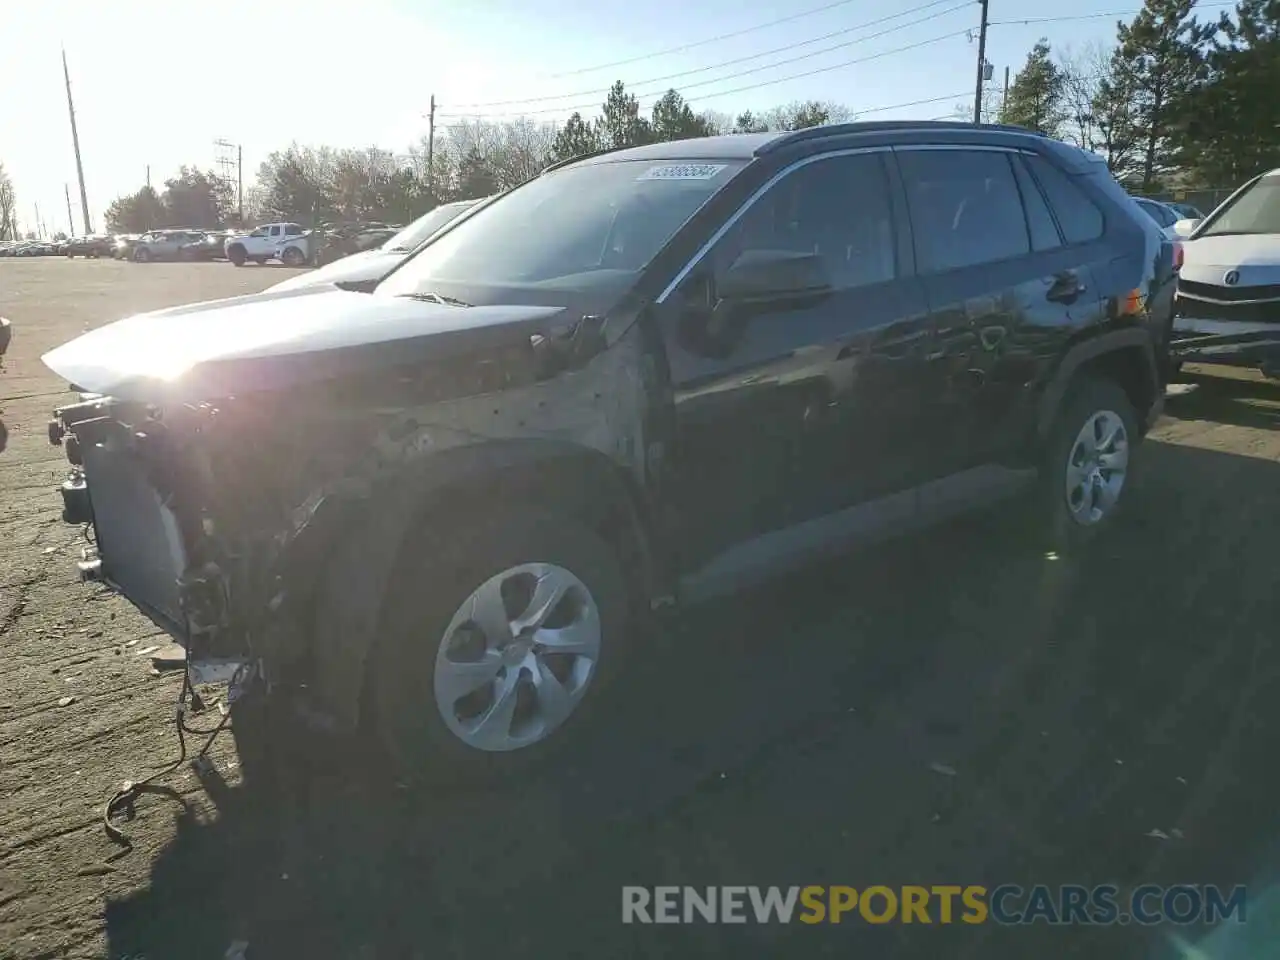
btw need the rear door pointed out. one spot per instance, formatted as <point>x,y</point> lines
<point>1004,291</point>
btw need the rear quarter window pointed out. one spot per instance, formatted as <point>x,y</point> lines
<point>1077,214</point>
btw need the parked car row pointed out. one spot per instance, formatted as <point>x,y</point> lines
<point>29,248</point>
<point>288,242</point>
<point>1167,214</point>
<point>444,504</point>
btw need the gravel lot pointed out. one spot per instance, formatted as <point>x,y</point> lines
<point>793,737</point>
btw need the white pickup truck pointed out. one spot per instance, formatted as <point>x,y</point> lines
<point>261,244</point>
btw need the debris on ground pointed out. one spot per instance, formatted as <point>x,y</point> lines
<point>66,701</point>
<point>169,657</point>
<point>943,769</point>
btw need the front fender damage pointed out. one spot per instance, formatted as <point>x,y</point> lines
<point>355,475</point>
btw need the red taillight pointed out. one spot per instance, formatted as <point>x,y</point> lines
<point>1178,255</point>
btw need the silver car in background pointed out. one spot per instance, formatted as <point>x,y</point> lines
<point>362,271</point>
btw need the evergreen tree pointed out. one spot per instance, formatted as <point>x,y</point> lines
<point>1037,96</point>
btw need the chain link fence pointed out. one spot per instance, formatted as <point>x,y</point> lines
<point>1203,200</point>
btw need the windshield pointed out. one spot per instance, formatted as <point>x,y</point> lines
<point>412,236</point>
<point>1257,210</point>
<point>610,216</point>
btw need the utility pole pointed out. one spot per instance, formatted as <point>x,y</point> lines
<point>230,165</point>
<point>1006,83</point>
<point>982,64</point>
<point>71,223</point>
<point>431,146</point>
<point>75,143</point>
<point>39,228</point>
<point>148,176</point>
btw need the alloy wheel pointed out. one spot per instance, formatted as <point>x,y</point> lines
<point>1097,467</point>
<point>517,657</point>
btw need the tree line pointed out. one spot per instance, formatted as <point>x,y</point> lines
<point>1176,102</point>
<point>469,159</point>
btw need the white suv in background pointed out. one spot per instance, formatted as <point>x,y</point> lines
<point>261,244</point>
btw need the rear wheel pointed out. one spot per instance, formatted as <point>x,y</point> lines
<point>236,254</point>
<point>1087,464</point>
<point>496,653</point>
<point>293,257</point>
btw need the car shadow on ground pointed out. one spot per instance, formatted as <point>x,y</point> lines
<point>959,708</point>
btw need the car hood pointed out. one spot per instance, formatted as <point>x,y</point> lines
<point>368,265</point>
<point>1255,257</point>
<point>270,341</point>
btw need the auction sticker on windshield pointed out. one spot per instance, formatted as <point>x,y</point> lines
<point>682,171</point>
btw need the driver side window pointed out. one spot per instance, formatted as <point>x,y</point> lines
<point>836,207</point>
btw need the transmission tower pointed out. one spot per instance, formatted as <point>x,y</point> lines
<point>229,170</point>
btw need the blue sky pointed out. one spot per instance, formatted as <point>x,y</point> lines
<point>157,82</point>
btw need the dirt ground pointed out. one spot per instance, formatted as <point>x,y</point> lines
<point>953,709</point>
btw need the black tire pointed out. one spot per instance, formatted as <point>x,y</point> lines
<point>402,703</point>
<point>236,254</point>
<point>142,255</point>
<point>260,260</point>
<point>1084,399</point>
<point>293,257</point>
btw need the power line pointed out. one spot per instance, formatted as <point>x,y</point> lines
<point>915,103</point>
<point>741,89</point>
<point>1092,16</point>
<point>755,56</point>
<point>702,43</point>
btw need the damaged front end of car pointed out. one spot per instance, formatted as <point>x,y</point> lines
<point>221,518</point>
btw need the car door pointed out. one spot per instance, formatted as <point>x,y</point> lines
<point>1002,288</point>
<point>806,407</point>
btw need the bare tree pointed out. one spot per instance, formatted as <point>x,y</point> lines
<point>1082,72</point>
<point>992,106</point>
<point>8,207</point>
<point>514,151</point>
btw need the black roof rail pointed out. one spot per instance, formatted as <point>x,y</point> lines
<point>582,156</point>
<point>882,126</point>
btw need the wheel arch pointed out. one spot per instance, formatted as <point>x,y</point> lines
<point>367,543</point>
<point>1126,356</point>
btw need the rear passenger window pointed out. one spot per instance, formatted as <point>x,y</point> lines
<point>1079,217</point>
<point>965,207</point>
<point>1044,232</point>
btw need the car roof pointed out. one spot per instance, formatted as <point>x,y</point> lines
<point>746,146</point>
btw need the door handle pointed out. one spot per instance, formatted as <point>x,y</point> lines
<point>1066,288</point>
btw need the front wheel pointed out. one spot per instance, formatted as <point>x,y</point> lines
<point>1087,465</point>
<point>237,255</point>
<point>495,653</point>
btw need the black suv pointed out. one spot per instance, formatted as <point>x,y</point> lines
<point>641,378</point>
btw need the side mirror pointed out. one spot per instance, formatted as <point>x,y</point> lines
<point>760,276</point>
<point>1184,228</point>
